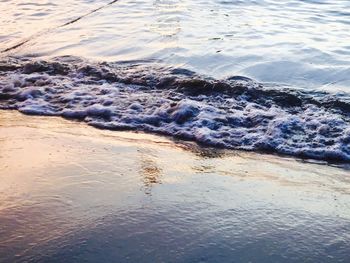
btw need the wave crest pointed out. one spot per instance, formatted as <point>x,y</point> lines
<point>235,113</point>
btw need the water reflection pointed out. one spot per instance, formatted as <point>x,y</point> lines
<point>150,171</point>
<point>245,209</point>
<point>167,17</point>
<point>301,43</point>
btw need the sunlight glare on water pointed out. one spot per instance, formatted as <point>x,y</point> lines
<point>71,193</point>
<point>299,43</point>
<point>127,201</point>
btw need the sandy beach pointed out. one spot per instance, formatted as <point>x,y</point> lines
<point>73,193</point>
<point>174,131</point>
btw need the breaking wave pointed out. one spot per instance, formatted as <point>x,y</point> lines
<point>235,113</point>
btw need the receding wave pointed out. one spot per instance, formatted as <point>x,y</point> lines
<point>235,113</point>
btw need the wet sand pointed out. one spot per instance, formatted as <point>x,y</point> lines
<point>73,193</point>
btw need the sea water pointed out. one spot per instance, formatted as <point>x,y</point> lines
<point>267,76</point>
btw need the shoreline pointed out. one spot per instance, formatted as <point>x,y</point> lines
<point>237,113</point>
<point>71,189</point>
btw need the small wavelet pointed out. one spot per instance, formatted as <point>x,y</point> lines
<point>234,113</point>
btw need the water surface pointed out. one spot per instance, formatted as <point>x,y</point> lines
<point>127,201</point>
<point>302,43</point>
<point>268,76</point>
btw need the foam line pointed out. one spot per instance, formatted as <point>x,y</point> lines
<point>236,113</point>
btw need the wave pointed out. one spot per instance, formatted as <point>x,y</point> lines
<point>234,113</point>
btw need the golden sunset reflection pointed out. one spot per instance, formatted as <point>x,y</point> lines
<point>174,131</point>
<point>76,176</point>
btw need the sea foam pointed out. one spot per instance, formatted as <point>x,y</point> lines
<point>236,113</point>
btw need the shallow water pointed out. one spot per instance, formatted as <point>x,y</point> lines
<point>139,198</point>
<point>268,76</point>
<point>301,43</point>
<point>127,201</point>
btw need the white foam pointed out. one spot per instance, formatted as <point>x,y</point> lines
<point>215,120</point>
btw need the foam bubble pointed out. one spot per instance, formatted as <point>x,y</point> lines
<point>236,114</point>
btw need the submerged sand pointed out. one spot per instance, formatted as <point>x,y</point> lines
<point>73,193</point>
